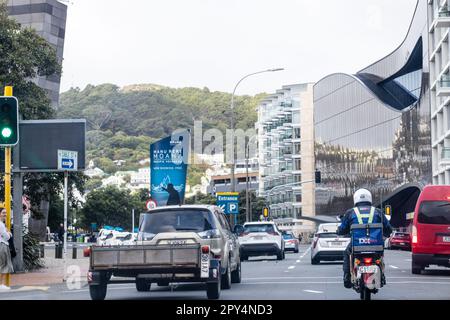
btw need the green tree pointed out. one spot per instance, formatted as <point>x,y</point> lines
<point>110,206</point>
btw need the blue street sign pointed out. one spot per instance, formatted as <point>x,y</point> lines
<point>229,202</point>
<point>67,160</point>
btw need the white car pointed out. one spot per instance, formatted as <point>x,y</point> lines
<point>327,245</point>
<point>261,239</point>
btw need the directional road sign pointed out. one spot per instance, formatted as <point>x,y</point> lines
<point>67,160</point>
<point>229,202</point>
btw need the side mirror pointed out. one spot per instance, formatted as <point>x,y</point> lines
<point>238,230</point>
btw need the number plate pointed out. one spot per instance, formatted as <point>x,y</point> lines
<point>258,238</point>
<point>205,266</point>
<point>447,239</point>
<point>336,244</point>
<point>368,269</point>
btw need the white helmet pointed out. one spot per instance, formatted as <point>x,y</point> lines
<point>362,195</point>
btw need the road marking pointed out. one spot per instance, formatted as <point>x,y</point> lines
<point>304,255</point>
<point>291,267</point>
<point>313,291</point>
<point>394,267</point>
<point>298,261</point>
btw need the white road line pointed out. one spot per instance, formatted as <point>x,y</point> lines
<point>340,283</point>
<point>298,261</point>
<point>291,267</point>
<point>304,255</point>
<point>313,291</point>
<point>394,267</point>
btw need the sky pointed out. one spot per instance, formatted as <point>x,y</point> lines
<point>214,43</point>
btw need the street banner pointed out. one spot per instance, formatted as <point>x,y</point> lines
<point>229,202</point>
<point>168,169</point>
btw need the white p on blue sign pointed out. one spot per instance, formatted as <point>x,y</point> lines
<point>229,202</point>
<point>67,160</point>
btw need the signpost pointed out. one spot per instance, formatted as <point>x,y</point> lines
<point>151,204</point>
<point>67,162</point>
<point>229,202</point>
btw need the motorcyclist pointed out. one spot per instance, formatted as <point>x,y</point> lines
<point>362,213</point>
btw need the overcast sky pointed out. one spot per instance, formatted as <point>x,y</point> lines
<point>213,43</point>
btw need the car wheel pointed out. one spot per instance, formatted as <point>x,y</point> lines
<point>143,285</point>
<point>213,289</point>
<point>315,261</point>
<point>226,278</point>
<point>236,275</point>
<point>98,292</point>
<point>280,255</point>
<point>163,284</point>
<point>416,269</point>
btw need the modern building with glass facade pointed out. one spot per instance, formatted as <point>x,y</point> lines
<point>439,49</point>
<point>372,129</point>
<point>280,149</point>
<point>48,18</point>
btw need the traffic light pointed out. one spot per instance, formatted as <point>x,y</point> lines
<point>9,121</point>
<point>318,177</point>
<point>388,210</point>
<point>266,212</point>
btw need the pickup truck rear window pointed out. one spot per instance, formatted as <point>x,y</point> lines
<point>434,212</point>
<point>177,221</point>
<point>260,228</point>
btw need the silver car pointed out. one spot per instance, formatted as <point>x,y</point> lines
<point>328,246</point>
<point>204,225</point>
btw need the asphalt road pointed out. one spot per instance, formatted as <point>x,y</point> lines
<point>268,279</point>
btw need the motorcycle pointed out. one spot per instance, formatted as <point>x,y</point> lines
<point>367,272</point>
<point>367,260</point>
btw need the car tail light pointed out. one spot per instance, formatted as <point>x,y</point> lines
<point>368,261</point>
<point>415,239</point>
<point>205,249</point>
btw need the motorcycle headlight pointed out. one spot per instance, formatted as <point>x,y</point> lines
<point>210,234</point>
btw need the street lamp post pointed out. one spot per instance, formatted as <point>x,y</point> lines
<point>233,124</point>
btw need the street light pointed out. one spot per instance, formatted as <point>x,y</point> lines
<point>233,178</point>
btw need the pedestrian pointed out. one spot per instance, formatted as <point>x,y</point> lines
<point>61,232</point>
<point>6,266</point>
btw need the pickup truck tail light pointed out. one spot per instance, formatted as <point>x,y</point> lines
<point>205,249</point>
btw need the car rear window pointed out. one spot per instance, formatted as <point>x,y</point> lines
<point>288,236</point>
<point>434,212</point>
<point>259,228</point>
<point>327,235</point>
<point>177,220</point>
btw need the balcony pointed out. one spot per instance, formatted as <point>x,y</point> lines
<point>444,86</point>
<point>443,19</point>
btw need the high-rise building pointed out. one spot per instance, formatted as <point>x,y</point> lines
<point>439,50</point>
<point>48,18</point>
<point>372,129</point>
<point>282,167</point>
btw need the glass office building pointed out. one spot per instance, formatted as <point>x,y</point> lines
<point>372,129</point>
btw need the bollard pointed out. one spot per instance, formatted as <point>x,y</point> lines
<point>58,251</point>
<point>42,251</point>
<point>74,252</point>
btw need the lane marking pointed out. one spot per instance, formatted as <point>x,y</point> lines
<point>291,267</point>
<point>340,283</point>
<point>298,261</point>
<point>313,291</point>
<point>394,267</point>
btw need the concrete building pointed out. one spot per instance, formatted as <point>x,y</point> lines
<point>285,123</point>
<point>439,51</point>
<point>372,129</point>
<point>48,18</point>
<point>141,179</point>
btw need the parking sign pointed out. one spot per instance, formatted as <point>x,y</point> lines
<point>229,202</point>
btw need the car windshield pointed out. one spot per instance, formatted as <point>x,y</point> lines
<point>434,212</point>
<point>259,228</point>
<point>177,220</point>
<point>288,237</point>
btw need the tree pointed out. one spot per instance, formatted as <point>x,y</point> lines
<point>110,206</point>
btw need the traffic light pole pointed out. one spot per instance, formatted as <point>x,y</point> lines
<point>8,93</point>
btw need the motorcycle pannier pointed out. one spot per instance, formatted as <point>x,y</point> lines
<point>367,237</point>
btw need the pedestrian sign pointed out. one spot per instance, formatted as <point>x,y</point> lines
<point>228,202</point>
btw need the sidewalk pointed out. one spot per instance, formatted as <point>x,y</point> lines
<point>52,274</point>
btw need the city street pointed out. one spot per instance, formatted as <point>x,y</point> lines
<point>268,279</point>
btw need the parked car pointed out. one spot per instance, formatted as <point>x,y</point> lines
<point>328,246</point>
<point>400,240</point>
<point>175,244</point>
<point>431,229</point>
<point>291,243</point>
<point>261,239</point>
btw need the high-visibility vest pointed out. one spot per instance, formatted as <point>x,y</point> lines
<point>361,216</point>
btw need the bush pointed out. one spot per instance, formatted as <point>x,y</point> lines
<point>31,253</point>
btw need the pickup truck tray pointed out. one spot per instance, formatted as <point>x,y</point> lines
<point>145,256</point>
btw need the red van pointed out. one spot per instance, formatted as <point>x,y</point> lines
<point>431,229</point>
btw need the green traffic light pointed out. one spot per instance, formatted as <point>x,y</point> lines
<point>6,133</point>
